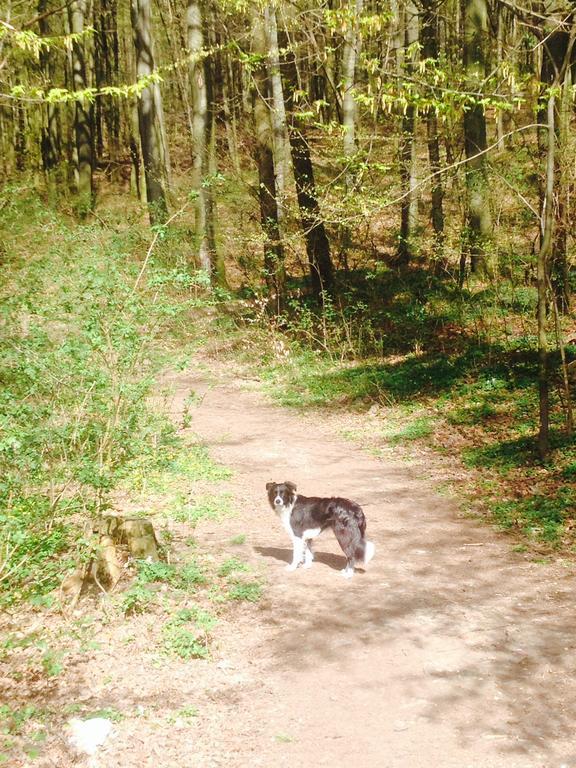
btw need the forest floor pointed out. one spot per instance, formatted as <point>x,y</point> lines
<point>450,650</point>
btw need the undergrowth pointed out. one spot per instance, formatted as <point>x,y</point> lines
<point>82,342</point>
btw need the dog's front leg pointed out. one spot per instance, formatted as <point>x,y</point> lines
<point>297,553</point>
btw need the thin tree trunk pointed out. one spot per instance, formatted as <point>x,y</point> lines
<point>280,133</point>
<point>230,112</point>
<point>20,151</point>
<point>273,250</point>
<point>542,281</point>
<point>500,31</point>
<point>108,66</point>
<point>430,49</point>
<point>317,243</point>
<point>408,151</point>
<point>50,143</point>
<point>349,112</point>
<point>150,116</point>
<point>84,113</point>
<point>479,220</point>
<point>201,130</point>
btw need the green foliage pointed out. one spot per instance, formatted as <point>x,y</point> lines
<point>151,572</point>
<point>138,599</point>
<point>539,517</point>
<point>251,591</point>
<point>182,577</point>
<point>13,720</point>
<point>233,565</point>
<point>188,633</point>
<point>209,506</point>
<point>414,430</point>
<point>109,713</point>
<point>238,586</point>
<point>186,713</point>
<point>78,355</point>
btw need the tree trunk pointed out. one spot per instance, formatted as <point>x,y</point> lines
<point>202,131</point>
<point>50,143</point>
<point>230,112</point>
<point>408,156</point>
<point>280,134</point>
<point>430,49</point>
<point>20,151</point>
<point>106,66</point>
<point>317,243</point>
<point>84,113</point>
<point>349,112</point>
<point>479,220</point>
<point>542,281</point>
<point>273,250</point>
<point>150,118</point>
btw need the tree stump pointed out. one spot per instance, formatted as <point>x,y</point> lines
<point>117,539</point>
<point>121,536</point>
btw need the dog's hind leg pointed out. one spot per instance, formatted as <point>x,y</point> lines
<point>348,572</point>
<point>308,554</point>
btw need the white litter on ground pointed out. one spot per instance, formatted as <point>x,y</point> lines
<point>88,735</point>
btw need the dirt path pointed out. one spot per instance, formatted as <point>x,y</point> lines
<point>450,650</point>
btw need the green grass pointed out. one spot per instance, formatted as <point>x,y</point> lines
<point>188,634</point>
<point>233,565</point>
<point>79,354</point>
<point>539,517</point>
<point>250,591</point>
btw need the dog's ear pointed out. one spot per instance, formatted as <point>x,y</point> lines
<point>290,485</point>
<point>269,485</point>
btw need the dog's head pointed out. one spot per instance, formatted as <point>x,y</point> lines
<point>281,495</point>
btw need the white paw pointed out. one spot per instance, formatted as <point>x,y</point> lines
<point>308,564</point>
<point>347,573</point>
<point>291,567</point>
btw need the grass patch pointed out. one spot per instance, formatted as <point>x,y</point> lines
<point>233,565</point>
<point>538,517</point>
<point>208,506</point>
<point>418,429</point>
<point>250,591</point>
<point>188,633</point>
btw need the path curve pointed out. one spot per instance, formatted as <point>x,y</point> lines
<point>451,650</point>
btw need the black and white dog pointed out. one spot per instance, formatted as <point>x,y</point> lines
<point>305,517</point>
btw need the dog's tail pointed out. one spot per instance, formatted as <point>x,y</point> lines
<point>365,551</point>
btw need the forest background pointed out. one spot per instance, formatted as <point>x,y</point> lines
<point>368,203</point>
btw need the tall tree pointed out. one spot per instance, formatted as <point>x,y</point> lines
<point>202,138</point>
<point>430,51</point>
<point>150,115</point>
<point>408,151</point>
<point>83,114</point>
<point>317,243</point>
<point>106,69</point>
<point>278,109</point>
<point>542,282</point>
<point>50,141</point>
<point>350,54</point>
<point>261,93</point>
<point>479,218</point>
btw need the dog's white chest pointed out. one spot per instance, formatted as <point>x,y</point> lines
<point>285,519</point>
